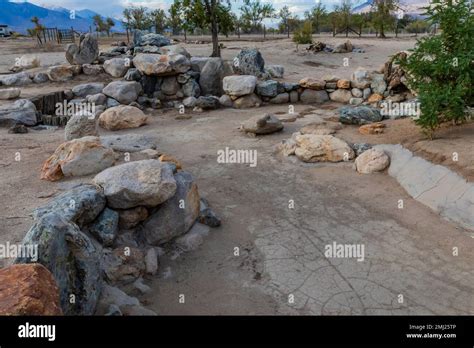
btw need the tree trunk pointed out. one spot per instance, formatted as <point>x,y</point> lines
<point>185,36</point>
<point>288,29</point>
<point>216,51</point>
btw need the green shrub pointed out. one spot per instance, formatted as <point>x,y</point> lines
<point>304,35</point>
<point>440,68</point>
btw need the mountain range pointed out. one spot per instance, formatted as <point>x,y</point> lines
<point>17,15</point>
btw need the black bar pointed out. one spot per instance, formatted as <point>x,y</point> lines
<point>260,330</point>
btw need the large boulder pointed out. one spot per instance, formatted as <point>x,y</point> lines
<point>170,85</point>
<point>161,65</point>
<point>80,126</point>
<point>25,62</point>
<point>143,38</point>
<point>372,160</point>
<point>191,89</point>
<point>140,183</point>
<point>377,83</point>
<point>322,148</point>
<point>122,117</point>
<point>174,49</point>
<point>249,61</point>
<point>359,115</point>
<point>21,111</point>
<point>341,96</point>
<point>117,67</point>
<point>72,259</point>
<point>85,53</point>
<point>85,89</point>
<point>247,101</point>
<point>81,205</point>
<point>19,79</point>
<point>310,96</point>
<point>267,88</point>
<point>9,93</point>
<point>360,78</point>
<point>105,227</point>
<point>124,92</point>
<point>239,85</point>
<point>28,290</point>
<point>60,73</point>
<point>262,124</point>
<point>213,71</point>
<point>311,83</point>
<point>77,157</point>
<point>207,103</point>
<point>177,215</point>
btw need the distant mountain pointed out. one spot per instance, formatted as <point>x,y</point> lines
<point>18,17</point>
<point>410,7</point>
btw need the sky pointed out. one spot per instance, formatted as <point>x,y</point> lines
<point>114,8</point>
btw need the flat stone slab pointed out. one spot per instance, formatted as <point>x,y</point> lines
<point>128,142</point>
<point>436,186</point>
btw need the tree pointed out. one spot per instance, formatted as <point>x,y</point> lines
<point>417,26</point>
<point>138,17</point>
<point>159,20</point>
<point>441,68</point>
<point>101,25</point>
<point>344,17</point>
<point>285,16</point>
<point>304,34</point>
<point>382,15</point>
<point>37,30</point>
<point>109,24</point>
<point>210,14</point>
<point>316,15</point>
<point>254,12</point>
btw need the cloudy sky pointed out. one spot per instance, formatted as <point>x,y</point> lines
<point>115,7</point>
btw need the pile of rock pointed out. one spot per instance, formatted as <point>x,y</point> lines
<point>98,237</point>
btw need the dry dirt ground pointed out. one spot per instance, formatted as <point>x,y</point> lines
<point>409,267</point>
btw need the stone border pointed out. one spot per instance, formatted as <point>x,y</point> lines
<point>434,185</point>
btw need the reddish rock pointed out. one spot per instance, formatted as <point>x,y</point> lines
<point>28,289</point>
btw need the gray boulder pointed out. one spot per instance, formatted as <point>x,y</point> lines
<point>124,92</point>
<point>212,73</point>
<point>311,96</point>
<point>161,65</point>
<point>191,89</point>
<point>267,88</point>
<point>105,227</point>
<point>117,67</point>
<point>140,183</point>
<point>249,61</point>
<point>177,215</point>
<point>276,71</point>
<point>40,78</point>
<point>72,259</point>
<point>80,126</point>
<point>143,38</point>
<point>81,205</point>
<point>18,79</point>
<point>82,91</point>
<point>265,124</point>
<point>21,111</point>
<point>239,85</point>
<point>86,53</point>
<point>208,103</point>
<point>359,115</point>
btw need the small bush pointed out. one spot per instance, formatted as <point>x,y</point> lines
<point>440,68</point>
<point>304,35</point>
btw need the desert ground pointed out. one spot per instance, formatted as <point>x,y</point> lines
<point>408,251</point>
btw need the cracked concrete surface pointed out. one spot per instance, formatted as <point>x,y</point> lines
<point>409,266</point>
